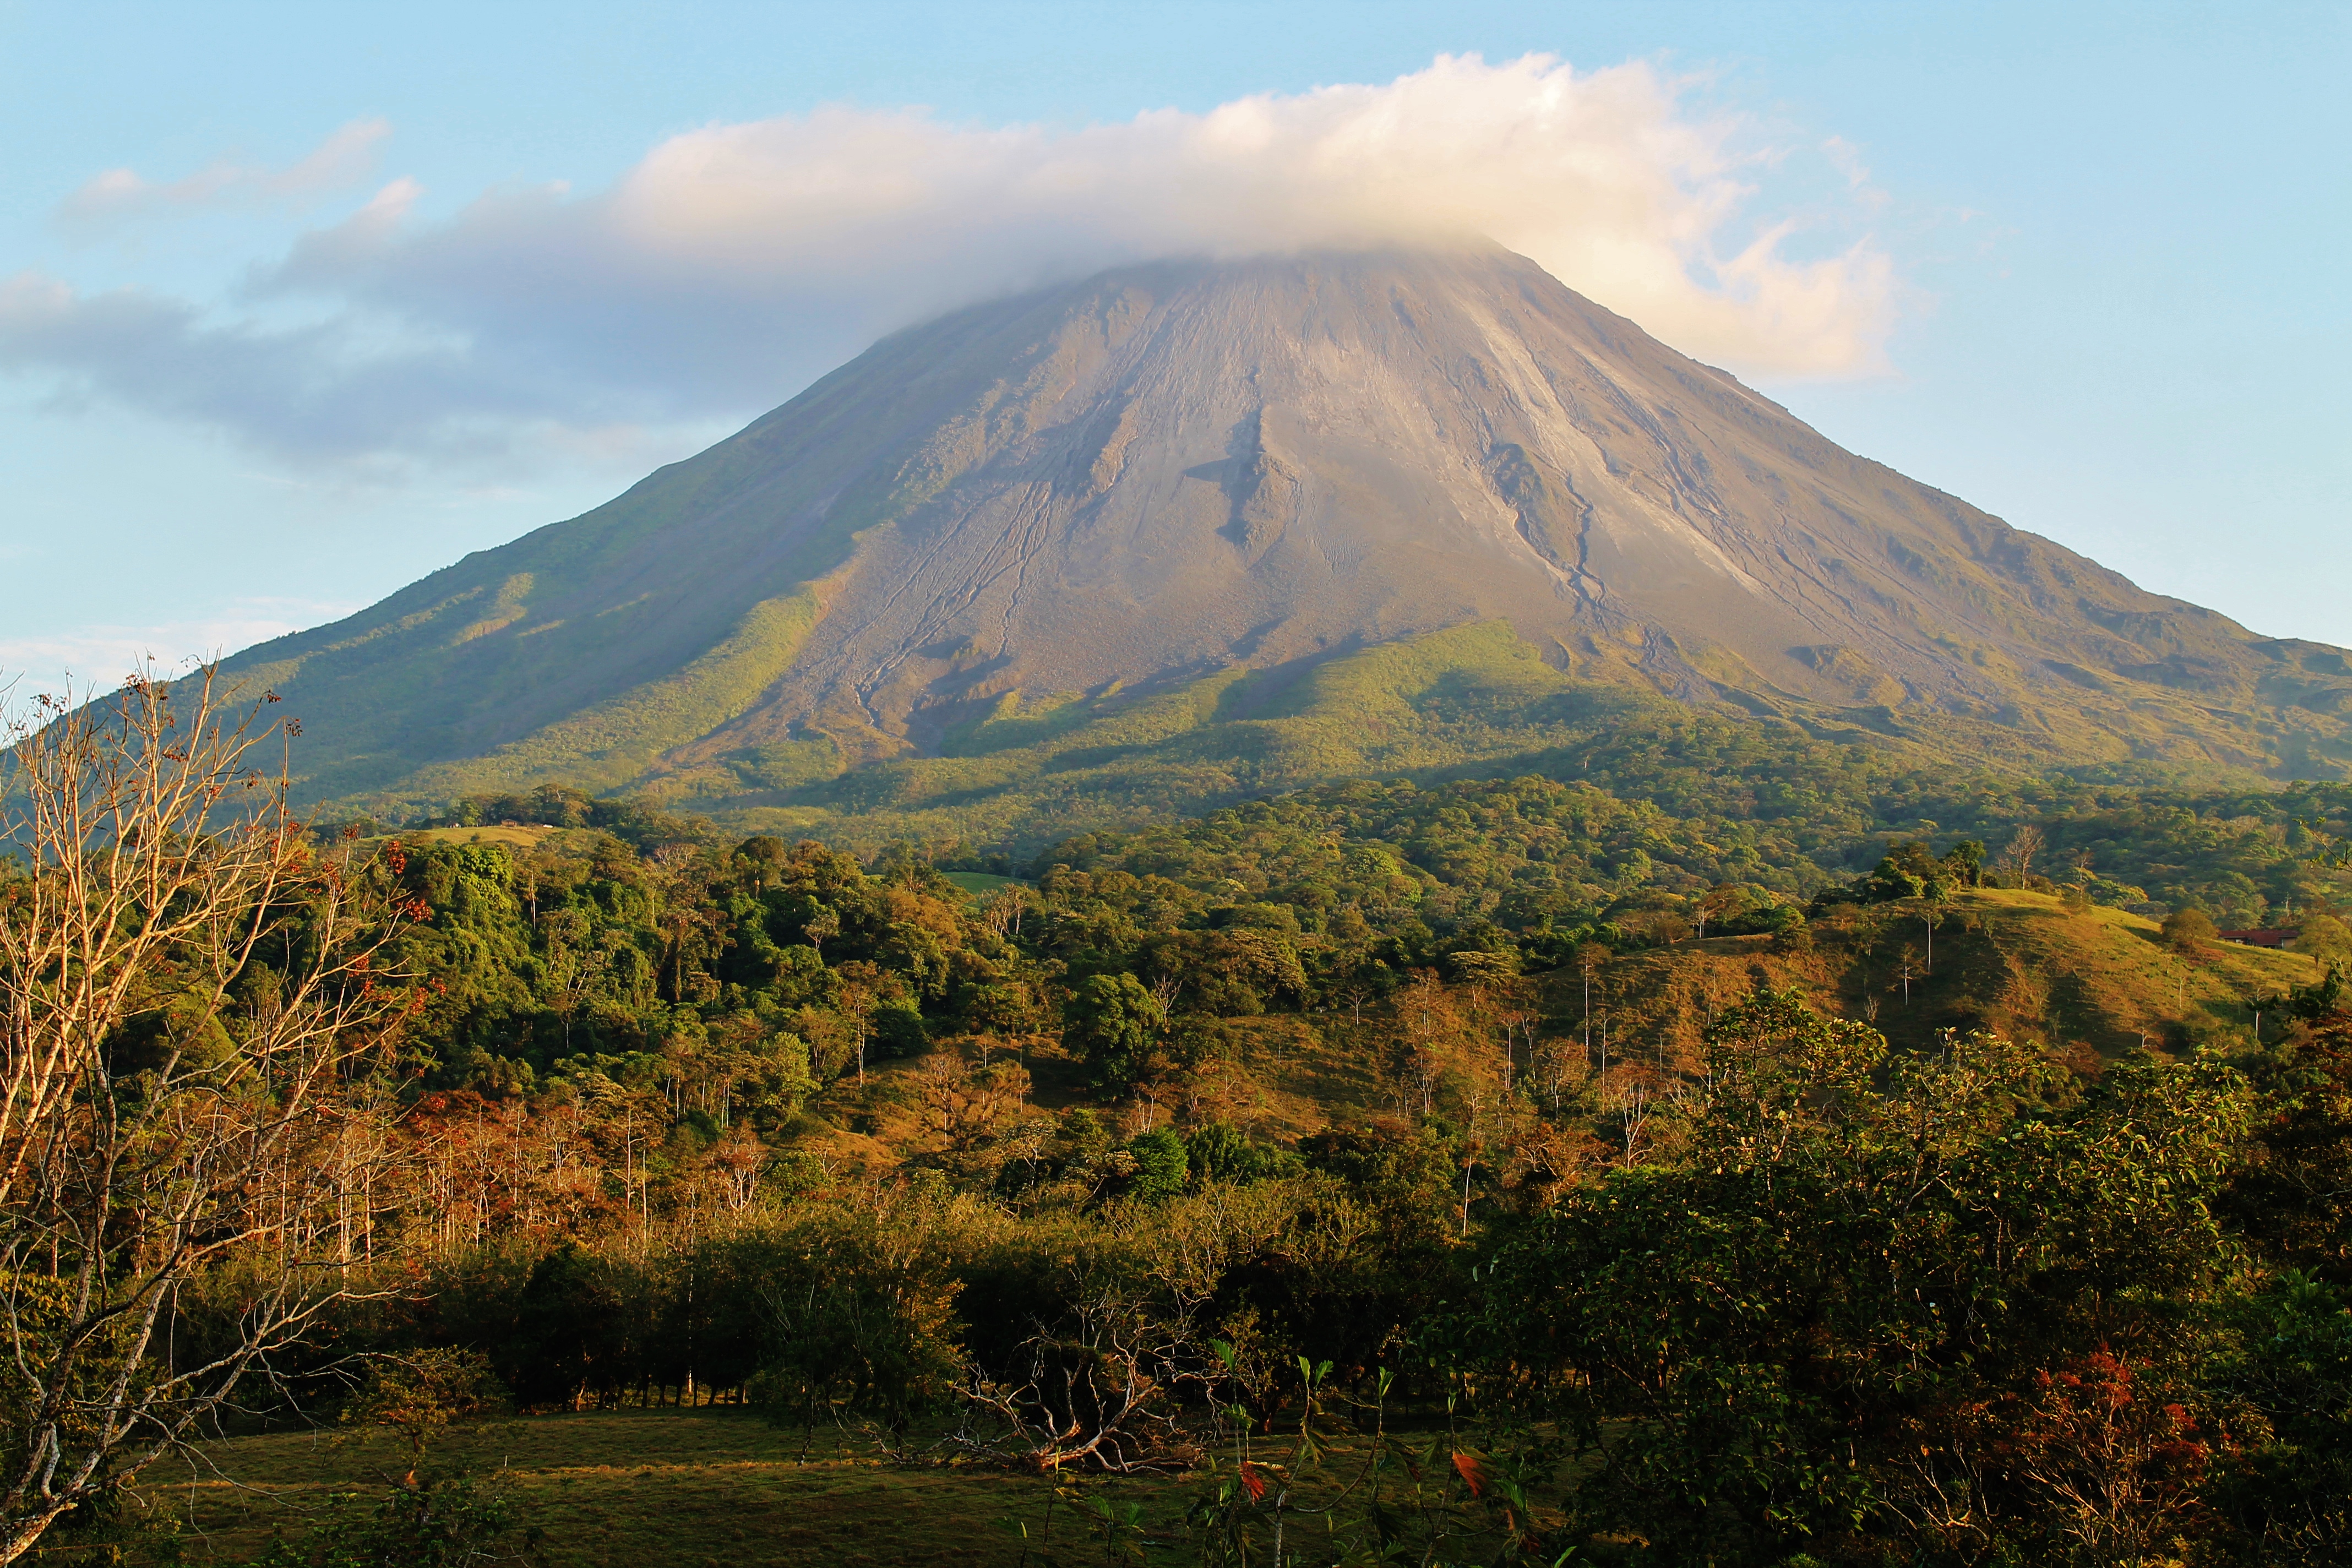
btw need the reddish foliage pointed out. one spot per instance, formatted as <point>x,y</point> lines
<point>2121,1469</point>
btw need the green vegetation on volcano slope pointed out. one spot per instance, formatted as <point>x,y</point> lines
<point>1726,794</point>
<point>1649,795</point>
<point>1475,701</point>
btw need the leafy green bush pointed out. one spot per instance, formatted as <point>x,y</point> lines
<point>1160,1163</point>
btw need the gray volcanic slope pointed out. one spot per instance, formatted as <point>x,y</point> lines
<point>1174,468</point>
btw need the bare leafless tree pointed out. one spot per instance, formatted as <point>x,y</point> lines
<point>1164,991</point>
<point>1590,957</point>
<point>188,987</point>
<point>2017,860</point>
<point>1002,911</point>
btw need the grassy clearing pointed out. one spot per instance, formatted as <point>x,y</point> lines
<point>512,837</point>
<point>635,1488</point>
<point>2090,984</point>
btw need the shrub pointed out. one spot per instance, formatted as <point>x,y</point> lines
<point>2190,930</point>
<point>1161,1165</point>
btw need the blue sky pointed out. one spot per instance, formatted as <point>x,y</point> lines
<point>298,303</point>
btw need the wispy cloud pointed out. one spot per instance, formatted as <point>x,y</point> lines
<point>735,262</point>
<point>304,391</point>
<point>346,158</point>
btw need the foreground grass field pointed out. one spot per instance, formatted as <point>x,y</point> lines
<point>636,1488</point>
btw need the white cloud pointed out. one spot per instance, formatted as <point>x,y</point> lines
<point>119,196</point>
<point>98,657</point>
<point>735,262</point>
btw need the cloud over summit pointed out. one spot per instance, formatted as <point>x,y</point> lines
<point>735,262</point>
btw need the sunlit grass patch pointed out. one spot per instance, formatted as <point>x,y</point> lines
<point>632,1489</point>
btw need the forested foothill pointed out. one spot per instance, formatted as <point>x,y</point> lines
<point>1656,1163</point>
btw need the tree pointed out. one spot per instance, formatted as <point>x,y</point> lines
<point>2024,845</point>
<point>1717,904</point>
<point>1112,1021</point>
<point>2191,933</point>
<point>1776,1068</point>
<point>1906,871</point>
<point>419,1394</point>
<point>187,982</point>
<point>1590,957</point>
<point>823,923</point>
<point>864,988</point>
<point>761,859</point>
<point>1937,896</point>
<point>2327,939</point>
<point>1221,1152</point>
<point>1162,1164</point>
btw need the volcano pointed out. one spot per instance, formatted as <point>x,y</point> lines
<point>1166,472</point>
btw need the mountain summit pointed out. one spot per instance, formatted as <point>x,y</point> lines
<point>1170,470</point>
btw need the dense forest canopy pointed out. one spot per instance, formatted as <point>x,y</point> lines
<point>1674,817</point>
<point>1290,903</point>
<point>1718,1161</point>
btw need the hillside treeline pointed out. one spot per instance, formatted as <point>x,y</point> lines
<point>772,968</point>
<point>1705,801</point>
<point>679,1120</point>
<point>1204,1146</point>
